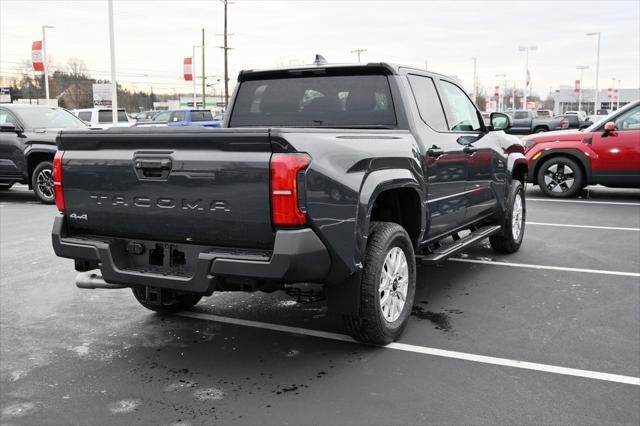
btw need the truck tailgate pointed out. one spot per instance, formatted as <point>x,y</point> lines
<point>195,185</point>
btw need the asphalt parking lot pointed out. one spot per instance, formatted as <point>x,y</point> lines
<point>550,335</point>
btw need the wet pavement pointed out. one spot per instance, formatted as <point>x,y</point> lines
<point>70,356</point>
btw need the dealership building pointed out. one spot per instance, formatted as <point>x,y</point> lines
<point>566,99</point>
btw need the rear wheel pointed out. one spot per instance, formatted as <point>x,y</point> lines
<point>165,301</point>
<point>560,177</point>
<point>510,239</point>
<point>540,130</point>
<point>388,286</point>
<point>42,182</point>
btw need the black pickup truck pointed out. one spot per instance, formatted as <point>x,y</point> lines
<point>340,177</point>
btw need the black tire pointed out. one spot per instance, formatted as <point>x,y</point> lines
<point>540,130</point>
<point>42,182</point>
<point>560,184</point>
<point>172,301</point>
<point>371,326</point>
<point>506,241</point>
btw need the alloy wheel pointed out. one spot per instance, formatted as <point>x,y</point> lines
<point>44,181</point>
<point>394,284</point>
<point>559,177</point>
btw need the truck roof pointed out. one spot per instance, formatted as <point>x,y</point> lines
<point>328,68</point>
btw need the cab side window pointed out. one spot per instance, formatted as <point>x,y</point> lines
<point>428,101</point>
<point>461,113</point>
<point>85,115</point>
<point>629,120</point>
<point>6,117</point>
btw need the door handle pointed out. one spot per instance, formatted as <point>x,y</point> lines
<point>469,150</point>
<point>435,151</point>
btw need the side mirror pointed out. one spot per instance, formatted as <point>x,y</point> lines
<point>610,126</point>
<point>500,121</point>
<point>9,128</point>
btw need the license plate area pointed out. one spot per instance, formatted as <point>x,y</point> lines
<point>156,257</point>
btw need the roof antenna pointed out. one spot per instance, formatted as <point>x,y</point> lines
<point>320,60</point>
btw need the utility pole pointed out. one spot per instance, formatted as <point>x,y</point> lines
<point>526,49</point>
<point>193,67</point>
<point>502,108</point>
<point>226,61</point>
<point>596,106</point>
<point>44,62</point>
<point>359,51</point>
<point>426,68</point>
<point>114,84</point>
<point>581,68</point>
<point>204,81</point>
<point>475,79</point>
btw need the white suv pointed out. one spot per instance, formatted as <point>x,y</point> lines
<point>101,118</point>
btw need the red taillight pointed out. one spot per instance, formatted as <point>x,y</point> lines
<point>57,180</point>
<point>564,122</point>
<point>285,208</point>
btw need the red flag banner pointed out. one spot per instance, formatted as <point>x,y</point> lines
<point>188,69</point>
<point>496,91</point>
<point>577,86</point>
<point>609,91</point>
<point>36,56</point>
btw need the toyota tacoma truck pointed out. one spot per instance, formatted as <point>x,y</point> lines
<point>339,177</point>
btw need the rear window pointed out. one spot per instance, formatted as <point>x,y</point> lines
<point>201,116</point>
<point>105,116</point>
<point>521,114</point>
<point>327,101</point>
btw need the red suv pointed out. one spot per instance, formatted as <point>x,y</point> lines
<point>605,153</point>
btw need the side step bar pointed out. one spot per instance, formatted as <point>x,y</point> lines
<point>93,279</point>
<point>442,253</point>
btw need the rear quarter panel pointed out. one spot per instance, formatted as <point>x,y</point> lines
<point>347,171</point>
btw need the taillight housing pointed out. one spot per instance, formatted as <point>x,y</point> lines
<point>564,123</point>
<point>285,205</point>
<point>57,180</point>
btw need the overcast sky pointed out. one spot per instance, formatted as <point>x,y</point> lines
<point>152,37</point>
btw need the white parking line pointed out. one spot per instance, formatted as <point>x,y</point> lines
<point>566,225</point>
<point>549,267</point>
<point>551,200</point>
<point>505,362</point>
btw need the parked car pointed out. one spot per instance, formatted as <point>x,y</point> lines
<point>606,153</point>
<point>599,115</point>
<point>581,114</point>
<point>334,176</point>
<point>574,121</point>
<point>192,117</point>
<point>102,118</point>
<point>544,113</point>
<point>527,122</point>
<point>145,116</point>
<point>27,145</point>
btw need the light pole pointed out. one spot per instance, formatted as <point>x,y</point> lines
<point>193,67</point>
<point>114,84</point>
<point>475,78</point>
<point>426,68</point>
<point>526,49</point>
<point>595,103</point>
<point>358,52</point>
<point>618,97</point>
<point>44,61</point>
<point>505,91</point>
<point>581,68</point>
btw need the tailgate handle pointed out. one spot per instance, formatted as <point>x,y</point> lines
<point>152,168</point>
<point>164,164</point>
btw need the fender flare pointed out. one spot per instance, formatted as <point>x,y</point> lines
<point>373,185</point>
<point>582,159</point>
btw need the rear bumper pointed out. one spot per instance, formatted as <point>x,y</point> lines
<point>297,256</point>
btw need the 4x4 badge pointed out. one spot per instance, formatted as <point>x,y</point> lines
<point>79,216</point>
